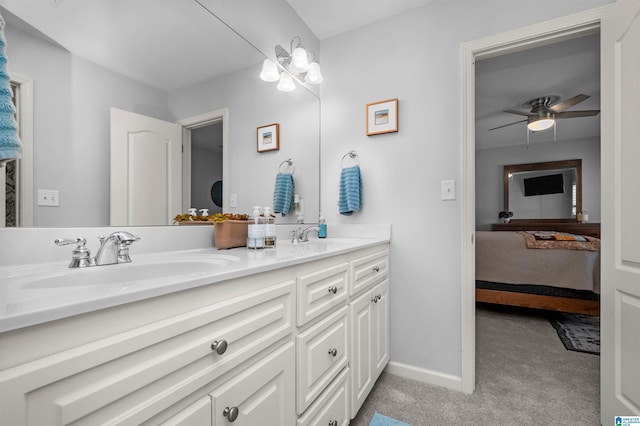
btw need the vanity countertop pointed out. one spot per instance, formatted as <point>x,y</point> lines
<point>37,293</point>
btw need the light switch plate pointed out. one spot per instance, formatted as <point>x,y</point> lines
<point>48,197</point>
<point>233,200</point>
<point>448,190</point>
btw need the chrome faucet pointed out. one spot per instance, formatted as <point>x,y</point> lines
<point>302,235</point>
<point>113,249</point>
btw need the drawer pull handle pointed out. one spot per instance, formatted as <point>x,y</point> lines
<point>231,413</point>
<point>220,346</point>
<point>333,352</point>
<point>333,289</point>
<point>376,298</point>
<point>333,423</point>
<point>376,269</point>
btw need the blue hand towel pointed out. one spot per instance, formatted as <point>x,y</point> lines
<point>350,197</point>
<point>283,193</point>
<point>10,146</point>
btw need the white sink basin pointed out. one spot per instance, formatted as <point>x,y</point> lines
<point>140,273</point>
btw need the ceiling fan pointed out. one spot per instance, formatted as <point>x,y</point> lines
<point>546,109</point>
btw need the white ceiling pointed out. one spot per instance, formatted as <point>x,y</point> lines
<point>327,18</point>
<point>564,69</point>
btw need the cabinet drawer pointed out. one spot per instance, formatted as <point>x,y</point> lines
<point>332,406</point>
<point>198,413</point>
<point>322,354</point>
<point>261,394</point>
<point>368,270</point>
<point>130,377</point>
<point>319,291</point>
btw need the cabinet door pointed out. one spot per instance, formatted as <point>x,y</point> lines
<point>197,414</point>
<point>263,394</point>
<point>360,314</point>
<point>380,332</point>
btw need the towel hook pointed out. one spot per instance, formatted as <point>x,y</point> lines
<point>288,162</point>
<point>352,155</point>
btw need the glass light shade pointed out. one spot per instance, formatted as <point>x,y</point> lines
<point>286,83</point>
<point>269,71</point>
<point>542,124</point>
<point>314,76</point>
<point>299,62</point>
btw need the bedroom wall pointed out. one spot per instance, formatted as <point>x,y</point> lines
<point>415,57</point>
<point>490,162</point>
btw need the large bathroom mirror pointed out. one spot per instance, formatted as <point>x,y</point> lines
<point>172,60</point>
<point>543,191</point>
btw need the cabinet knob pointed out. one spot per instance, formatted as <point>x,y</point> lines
<point>333,423</point>
<point>220,346</point>
<point>376,269</point>
<point>231,413</point>
<point>333,352</point>
<point>379,296</point>
<point>333,289</point>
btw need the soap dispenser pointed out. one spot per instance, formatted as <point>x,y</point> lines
<point>270,229</point>
<point>256,230</point>
<point>322,227</point>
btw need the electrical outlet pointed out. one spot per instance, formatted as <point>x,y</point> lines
<point>448,189</point>
<point>48,197</point>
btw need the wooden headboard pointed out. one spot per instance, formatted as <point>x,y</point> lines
<point>590,229</point>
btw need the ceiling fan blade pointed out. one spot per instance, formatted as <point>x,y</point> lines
<point>513,111</point>
<point>575,114</point>
<point>510,124</point>
<point>561,106</point>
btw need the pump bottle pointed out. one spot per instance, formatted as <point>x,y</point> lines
<point>256,230</point>
<point>270,229</point>
<point>322,227</point>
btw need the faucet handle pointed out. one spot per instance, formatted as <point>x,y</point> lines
<point>80,256</point>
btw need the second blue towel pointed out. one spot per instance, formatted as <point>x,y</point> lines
<point>350,195</point>
<point>283,193</point>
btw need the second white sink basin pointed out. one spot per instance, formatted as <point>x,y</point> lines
<point>127,274</point>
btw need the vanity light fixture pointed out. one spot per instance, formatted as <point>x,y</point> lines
<point>294,65</point>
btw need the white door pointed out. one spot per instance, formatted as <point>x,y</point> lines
<point>620,299</point>
<point>146,169</point>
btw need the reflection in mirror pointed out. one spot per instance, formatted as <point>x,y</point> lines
<point>175,64</point>
<point>546,190</point>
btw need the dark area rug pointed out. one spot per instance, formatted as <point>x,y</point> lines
<point>580,333</point>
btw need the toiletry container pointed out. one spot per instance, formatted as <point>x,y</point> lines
<point>322,227</point>
<point>256,231</point>
<point>270,229</point>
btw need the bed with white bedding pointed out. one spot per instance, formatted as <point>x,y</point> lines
<point>538,270</point>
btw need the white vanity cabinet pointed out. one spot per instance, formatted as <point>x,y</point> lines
<point>369,317</point>
<point>287,346</point>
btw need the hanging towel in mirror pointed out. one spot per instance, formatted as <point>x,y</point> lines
<point>350,195</point>
<point>283,194</point>
<point>10,146</point>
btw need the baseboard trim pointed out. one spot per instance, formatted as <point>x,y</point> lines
<point>426,376</point>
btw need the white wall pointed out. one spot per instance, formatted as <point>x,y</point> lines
<point>416,58</point>
<point>72,98</point>
<point>490,163</point>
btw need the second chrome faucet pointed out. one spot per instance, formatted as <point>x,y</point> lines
<point>113,249</point>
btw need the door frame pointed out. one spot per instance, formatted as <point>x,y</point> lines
<point>544,33</point>
<point>195,122</point>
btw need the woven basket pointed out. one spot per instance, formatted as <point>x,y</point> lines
<point>230,234</point>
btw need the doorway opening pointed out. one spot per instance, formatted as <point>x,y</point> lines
<point>204,161</point>
<point>565,28</point>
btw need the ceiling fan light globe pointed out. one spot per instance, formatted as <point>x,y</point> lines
<point>539,125</point>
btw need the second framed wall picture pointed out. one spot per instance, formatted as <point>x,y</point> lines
<point>268,137</point>
<point>382,117</point>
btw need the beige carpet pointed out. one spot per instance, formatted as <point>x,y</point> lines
<point>524,376</point>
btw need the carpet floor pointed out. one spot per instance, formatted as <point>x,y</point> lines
<point>524,376</point>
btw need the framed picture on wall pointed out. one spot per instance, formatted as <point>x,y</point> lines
<point>382,117</point>
<point>268,137</point>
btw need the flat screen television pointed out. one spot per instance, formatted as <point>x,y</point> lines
<point>542,185</point>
